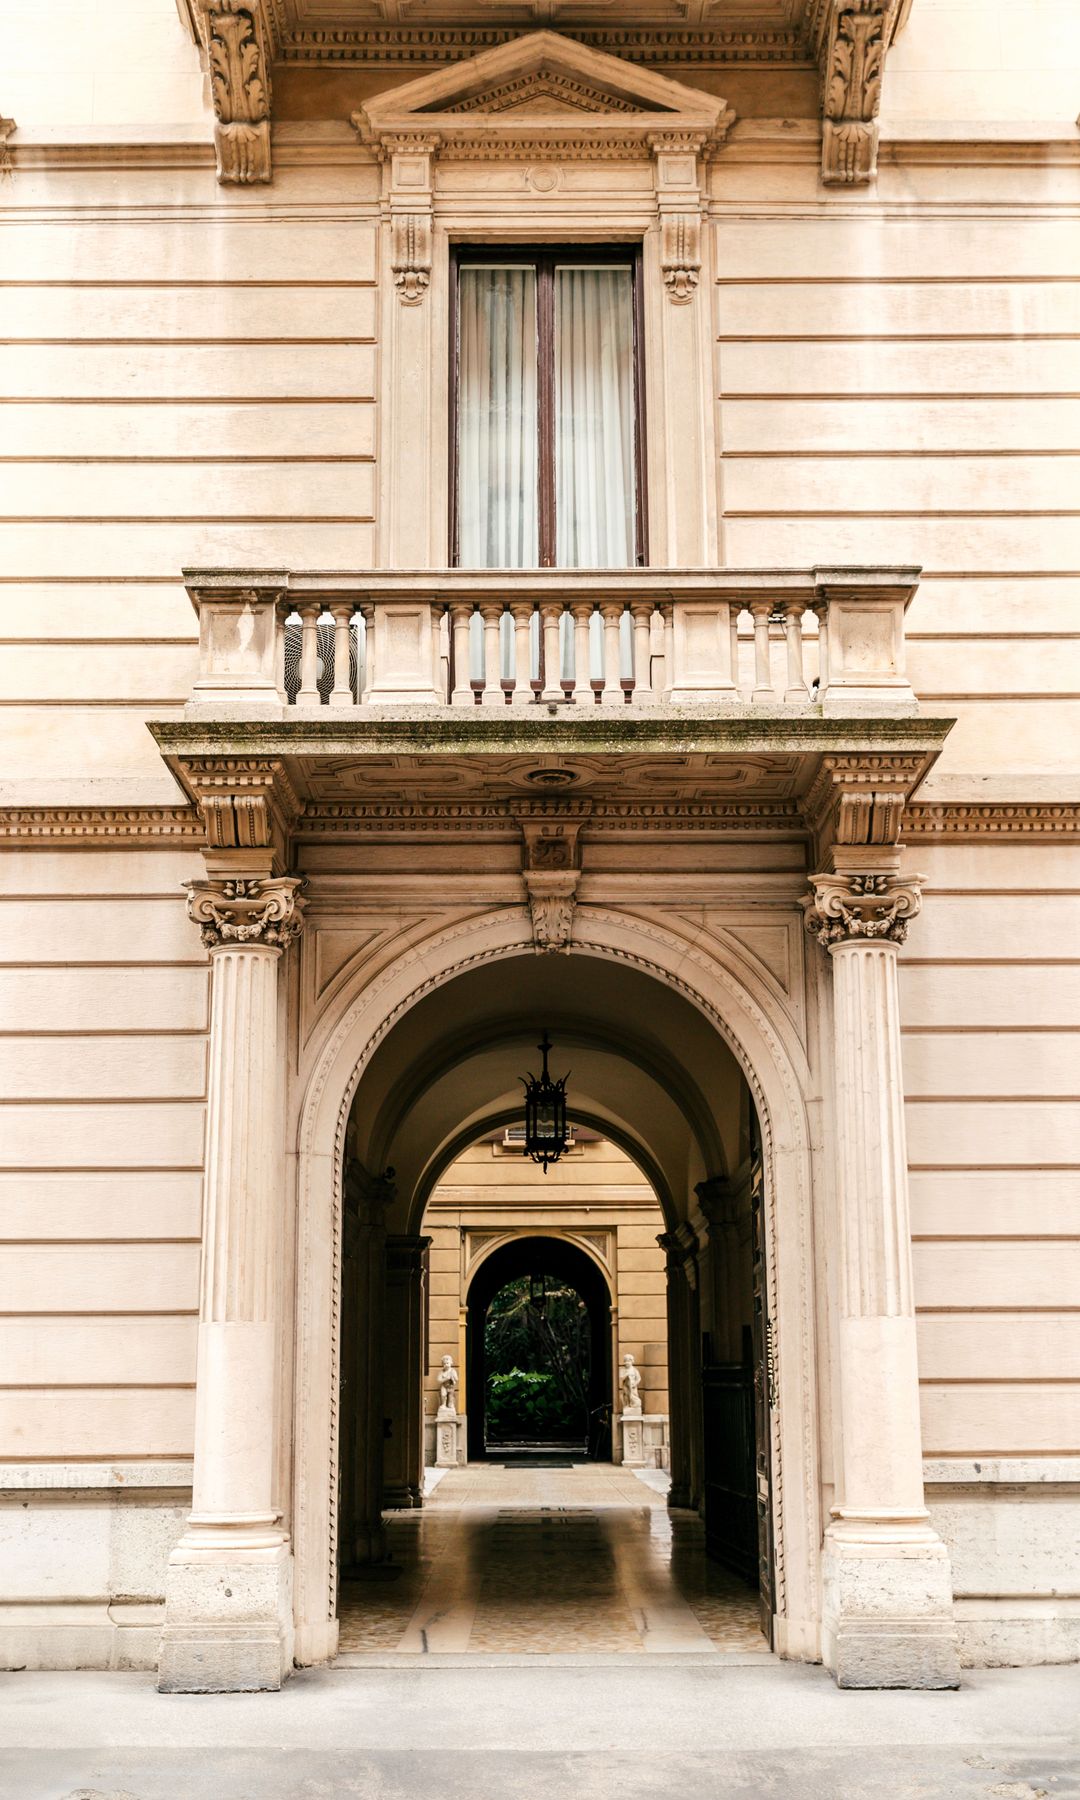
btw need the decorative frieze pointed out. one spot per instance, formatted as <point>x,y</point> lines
<point>237,51</point>
<point>866,906</point>
<point>261,913</point>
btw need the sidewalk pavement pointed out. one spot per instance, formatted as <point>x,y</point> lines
<point>631,1728</point>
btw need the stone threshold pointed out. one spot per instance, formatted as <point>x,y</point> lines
<point>567,1659</point>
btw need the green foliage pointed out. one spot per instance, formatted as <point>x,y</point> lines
<point>538,1362</point>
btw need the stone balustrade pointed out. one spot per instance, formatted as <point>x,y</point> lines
<point>783,639</point>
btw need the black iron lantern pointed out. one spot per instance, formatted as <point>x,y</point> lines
<point>538,1294</point>
<point>545,1113</point>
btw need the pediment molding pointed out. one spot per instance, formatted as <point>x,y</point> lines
<point>568,90</point>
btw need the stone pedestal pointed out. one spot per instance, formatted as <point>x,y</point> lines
<point>228,1596</point>
<point>447,1428</point>
<point>632,1433</point>
<point>888,1619</point>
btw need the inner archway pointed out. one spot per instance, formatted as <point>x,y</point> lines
<point>555,1317</point>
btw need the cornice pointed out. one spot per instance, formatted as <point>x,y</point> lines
<point>959,819</point>
<point>160,826</point>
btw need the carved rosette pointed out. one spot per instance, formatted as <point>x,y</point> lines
<point>240,86</point>
<point>256,912</point>
<point>870,908</point>
<point>852,64</point>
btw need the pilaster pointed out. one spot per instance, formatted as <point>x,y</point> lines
<point>680,1248</point>
<point>228,1603</point>
<point>367,1200</point>
<point>887,1612</point>
<point>403,1450</point>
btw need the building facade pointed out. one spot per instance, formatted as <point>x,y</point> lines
<point>514,520</point>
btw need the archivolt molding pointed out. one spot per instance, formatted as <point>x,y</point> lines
<point>780,1089</point>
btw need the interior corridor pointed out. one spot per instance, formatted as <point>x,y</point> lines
<point>580,1559</point>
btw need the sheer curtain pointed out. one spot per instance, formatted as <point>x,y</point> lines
<point>497,418</point>
<point>594,418</point>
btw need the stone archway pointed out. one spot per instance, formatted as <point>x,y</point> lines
<point>517,1255</point>
<point>715,980</point>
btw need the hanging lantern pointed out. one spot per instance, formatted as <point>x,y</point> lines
<point>545,1113</point>
<point>538,1293</point>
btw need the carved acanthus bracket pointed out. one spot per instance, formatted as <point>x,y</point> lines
<point>852,39</point>
<point>247,912</point>
<point>7,129</point>
<point>861,906</point>
<point>248,807</point>
<point>237,48</point>
<point>551,870</point>
<point>407,158</point>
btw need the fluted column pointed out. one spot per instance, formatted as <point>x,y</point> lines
<point>228,1610</point>
<point>887,1587</point>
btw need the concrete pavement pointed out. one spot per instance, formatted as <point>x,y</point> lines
<point>600,1729</point>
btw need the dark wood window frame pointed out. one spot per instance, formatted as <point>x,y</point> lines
<point>545,258</point>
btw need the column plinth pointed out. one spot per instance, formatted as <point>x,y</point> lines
<point>228,1596</point>
<point>887,1586</point>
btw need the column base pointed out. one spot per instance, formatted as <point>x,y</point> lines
<point>228,1618</point>
<point>888,1613</point>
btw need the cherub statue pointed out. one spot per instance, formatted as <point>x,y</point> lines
<point>448,1381</point>
<point>629,1383</point>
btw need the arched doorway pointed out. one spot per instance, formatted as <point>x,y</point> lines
<point>651,1019</point>
<point>553,1275</point>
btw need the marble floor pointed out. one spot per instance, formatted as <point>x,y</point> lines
<point>584,1560</point>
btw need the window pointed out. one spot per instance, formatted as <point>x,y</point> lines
<point>547,410</point>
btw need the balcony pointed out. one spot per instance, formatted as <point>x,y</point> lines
<point>804,644</point>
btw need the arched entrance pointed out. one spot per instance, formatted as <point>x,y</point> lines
<point>582,1424</point>
<point>652,1019</point>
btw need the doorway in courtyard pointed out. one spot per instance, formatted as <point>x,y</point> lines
<point>556,1419</point>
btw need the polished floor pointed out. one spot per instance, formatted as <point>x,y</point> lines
<point>583,1560</point>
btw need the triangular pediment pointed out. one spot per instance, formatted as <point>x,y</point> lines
<point>541,81</point>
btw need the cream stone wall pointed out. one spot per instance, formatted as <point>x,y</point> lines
<point>190,376</point>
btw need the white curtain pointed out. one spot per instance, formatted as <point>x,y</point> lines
<point>594,418</point>
<point>497,418</point>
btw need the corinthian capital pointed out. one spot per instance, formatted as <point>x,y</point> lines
<point>849,907</point>
<point>259,912</point>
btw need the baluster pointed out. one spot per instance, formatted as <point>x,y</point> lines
<point>341,692</point>
<point>460,616</point>
<point>667,613</point>
<point>281,614</point>
<point>440,639</point>
<point>550,614</point>
<point>764,693</point>
<point>611,612</point>
<point>642,612</point>
<point>310,612</point>
<point>821,610</point>
<point>367,660</point>
<point>491,612</point>
<point>522,611</point>
<point>796,693</point>
<point>581,612</point>
<point>734,610</point>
